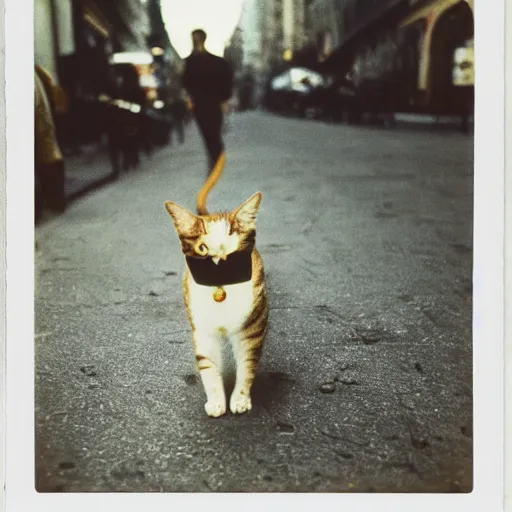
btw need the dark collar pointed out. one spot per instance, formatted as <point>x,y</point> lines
<point>236,269</point>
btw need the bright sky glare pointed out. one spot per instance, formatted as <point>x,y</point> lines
<point>218,18</point>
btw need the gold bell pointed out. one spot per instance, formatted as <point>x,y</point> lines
<point>219,295</point>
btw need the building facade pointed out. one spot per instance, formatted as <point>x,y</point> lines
<point>423,47</point>
<point>324,25</point>
<point>250,25</point>
<point>234,51</point>
<point>159,37</point>
<point>75,39</point>
<point>45,48</point>
<point>357,14</point>
<point>131,23</point>
<point>78,42</point>
<point>294,18</point>
<point>272,44</point>
<point>66,31</point>
<point>281,30</point>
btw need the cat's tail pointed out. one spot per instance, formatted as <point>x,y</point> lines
<point>209,184</point>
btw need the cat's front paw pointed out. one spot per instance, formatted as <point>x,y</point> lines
<point>215,408</point>
<point>240,403</point>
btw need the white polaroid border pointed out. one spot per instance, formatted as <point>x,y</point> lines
<point>3,268</point>
<point>488,304</point>
<point>508,261</point>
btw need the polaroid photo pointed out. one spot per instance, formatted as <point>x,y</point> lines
<point>254,254</point>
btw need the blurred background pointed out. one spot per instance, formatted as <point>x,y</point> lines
<point>112,68</point>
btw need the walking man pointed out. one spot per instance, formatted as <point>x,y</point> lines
<point>208,80</point>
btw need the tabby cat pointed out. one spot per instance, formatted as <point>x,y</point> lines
<point>224,293</point>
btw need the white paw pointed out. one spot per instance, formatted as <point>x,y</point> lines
<point>215,408</point>
<point>240,403</point>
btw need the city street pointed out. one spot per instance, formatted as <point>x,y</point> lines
<point>365,383</point>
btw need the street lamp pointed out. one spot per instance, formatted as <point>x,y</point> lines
<point>287,55</point>
<point>157,51</point>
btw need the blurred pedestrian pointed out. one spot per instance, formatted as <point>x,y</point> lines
<point>375,87</point>
<point>179,112</point>
<point>175,107</point>
<point>49,172</point>
<point>114,121</point>
<point>58,101</point>
<point>134,130</point>
<point>246,91</point>
<point>208,80</point>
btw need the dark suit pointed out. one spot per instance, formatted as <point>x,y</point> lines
<point>208,80</point>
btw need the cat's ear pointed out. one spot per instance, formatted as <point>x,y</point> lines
<point>246,214</point>
<point>186,223</point>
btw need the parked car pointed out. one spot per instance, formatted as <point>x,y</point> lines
<point>305,93</point>
<point>287,91</point>
<point>335,99</point>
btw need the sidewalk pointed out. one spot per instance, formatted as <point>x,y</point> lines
<point>88,170</point>
<point>431,121</point>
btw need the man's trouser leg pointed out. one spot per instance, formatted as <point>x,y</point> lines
<point>209,121</point>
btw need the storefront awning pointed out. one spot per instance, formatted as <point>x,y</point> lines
<point>392,10</point>
<point>431,7</point>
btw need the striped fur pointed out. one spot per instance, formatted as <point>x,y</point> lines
<point>241,318</point>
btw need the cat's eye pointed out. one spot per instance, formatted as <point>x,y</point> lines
<point>201,249</point>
